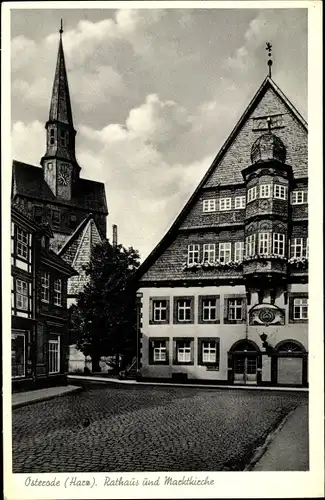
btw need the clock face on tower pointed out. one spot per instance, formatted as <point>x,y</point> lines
<point>63,175</point>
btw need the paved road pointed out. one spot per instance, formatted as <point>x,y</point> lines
<point>146,429</point>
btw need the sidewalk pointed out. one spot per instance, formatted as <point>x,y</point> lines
<point>108,380</point>
<point>287,448</point>
<point>30,397</point>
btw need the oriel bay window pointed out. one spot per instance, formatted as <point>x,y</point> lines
<point>264,240</point>
<point>250,245</point>
<point>159,310</point>
<point>251,194</point>
<point>183,351</point>
<point>193,253</point>
<point>183,310</point>
<point>239,250</point>
<point>209,309</point>
<point>234,309</point>
<point>209,352</point>
<point>280,191</point>
<point>278,244</point>
<point>158,351</point>
<point>265,190</point>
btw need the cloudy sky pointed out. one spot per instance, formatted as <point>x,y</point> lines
<point>155,93</point>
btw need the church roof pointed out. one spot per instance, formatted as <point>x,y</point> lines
<point>28,181</point>
<point>226,172</point>
<point>53,260</point>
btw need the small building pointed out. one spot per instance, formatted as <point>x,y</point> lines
<point>39,315</point>
<point>223,298</point>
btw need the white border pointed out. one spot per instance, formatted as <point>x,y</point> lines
<point>227,484</point>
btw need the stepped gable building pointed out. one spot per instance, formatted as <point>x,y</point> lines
<point>39,280</point>
<point>55,193</point>
<point>224,296</point>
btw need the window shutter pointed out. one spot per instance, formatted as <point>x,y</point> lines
<point>192,350</point>
<point>217,352</point>
<point>225,310</point>
<point>174,351</point>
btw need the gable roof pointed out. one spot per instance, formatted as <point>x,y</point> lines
<point>268,83</point>
<point>28,180</point>
<point>51,259</point>
<point>74,236</point>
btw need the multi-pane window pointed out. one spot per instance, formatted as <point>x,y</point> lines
<point>45,286</point>
<point>265,190</point>
<point>298,247</point>
<point>209,252</point>
<point>280,191</point>
<point>224,204</point>
<point>160,311</point>
<point>22,295</point>
<point>58,292</point>
<point>240,202</point>
<point>22,243</point>
<point>54,356</point>
<point>264,243</point>
<point>209,309</point>
<point>52,139</point>
<point>239,250</point>
<point>193,254</point>
<point>184,310</point>
<point>224,252</point>
<point>209,205</point>
<point>235,309</point>
<point>184,351</point>
<point>250,245</point>
<point>300,308</point>
<point>278,244</point>
<point>209,352</point>
<point>159,351</point>
<point>299,197</point>
<point>251,194</point>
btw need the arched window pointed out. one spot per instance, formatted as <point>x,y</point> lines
<point>290,347</point>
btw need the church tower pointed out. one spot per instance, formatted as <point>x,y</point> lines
<point>60,167</point>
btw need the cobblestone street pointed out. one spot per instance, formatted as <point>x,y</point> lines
<point>146,429</point>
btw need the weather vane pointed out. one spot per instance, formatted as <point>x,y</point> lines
<point>61,28</point>
<point>268,48</point>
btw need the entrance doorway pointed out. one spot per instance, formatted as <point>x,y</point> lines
<point>291,363</point>
<point>245,360</point>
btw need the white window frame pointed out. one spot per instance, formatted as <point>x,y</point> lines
<point>22,243</point>
<point>264,243</point>
<point>225,251</point>
<point>224,204</point>
<point>297,248</point>
<point>210,306</point>
<point>57,295</point>
<point>159,352</point>
<point>182,306</point>
<point>22,295</point>
<point>251,194</point>
<point>300,308</point>
<point>299,197</point>
<point>209,352</point>
<point>158,307</point>
<point>184,352</point>
<point>45,286</point>
<point>235,305</point>
<point>250,245</point>
<point>56,353</point>
<point>240,202</point>
<point>265,190</point>
<point>209,252</point>
<point>210,205</point>
<point>239,251</point>
<point>280,191</point>
<point>193,253</point>
<point>278,242</point>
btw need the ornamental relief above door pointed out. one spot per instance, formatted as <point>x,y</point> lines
<point>266,314</point>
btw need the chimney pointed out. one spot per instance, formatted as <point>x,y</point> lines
<point>114,235</point>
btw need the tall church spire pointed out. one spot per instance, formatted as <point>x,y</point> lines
<point>60,166</point>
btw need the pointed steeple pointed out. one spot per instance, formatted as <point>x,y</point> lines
<point>60,166</point>
<point>60,109</point>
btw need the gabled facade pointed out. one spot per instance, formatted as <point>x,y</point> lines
<point>56,193</point>
<point>39,281</point>
<point>224,296</point>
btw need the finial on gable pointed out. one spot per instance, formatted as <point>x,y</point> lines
<point>269,62</point>
<point>61,28</point>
